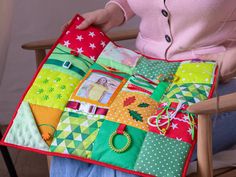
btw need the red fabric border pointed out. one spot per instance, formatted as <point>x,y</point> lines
<point>86,159</point>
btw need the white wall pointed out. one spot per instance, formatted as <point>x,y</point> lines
<point>34,20</point>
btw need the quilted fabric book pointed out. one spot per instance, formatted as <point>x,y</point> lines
<point>98,102</point>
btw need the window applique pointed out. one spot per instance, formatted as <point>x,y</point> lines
<point>174,121</point>
<point>162,156</point>
<point>139,84</point>
<point>196,71</point>
<point>76,134</point>
<point>24,130</point>
<point>187,93</point>
<point>131,141</point>
<point>156,69</point>
<point>51,88</point>
<point>89,42</point>
<point>96,92</point>
<point>68,61</point>
<point>119,58</point>
<point>132,109</point>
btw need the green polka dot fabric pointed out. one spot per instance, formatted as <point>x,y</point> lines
<point>154,68</point>
<point>130,114</point>
<point>161,156</point>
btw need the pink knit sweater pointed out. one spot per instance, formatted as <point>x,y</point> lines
<point>177,29</point>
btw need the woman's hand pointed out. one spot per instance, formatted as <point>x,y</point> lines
<point>107,18</point>
<point>226,61</point>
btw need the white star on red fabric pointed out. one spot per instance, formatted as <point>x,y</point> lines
<point>91,33</point>
<point>185,118</point>
<point>68,32</point>
<point>190,131</point>
<point>179,139</point>
<point>92,45</point>
<point>92,57</point>
<point>103,44</point>
<point>174,126</point>
<point>79,37</point>
<point>80,50</point>
<point>67,43</point>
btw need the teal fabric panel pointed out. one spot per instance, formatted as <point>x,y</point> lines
<point>159,91</point>
<point>102,152</point>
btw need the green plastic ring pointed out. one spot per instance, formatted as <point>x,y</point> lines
<point>121,149</point>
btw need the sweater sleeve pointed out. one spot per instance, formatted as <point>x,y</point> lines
<point>123,4</point>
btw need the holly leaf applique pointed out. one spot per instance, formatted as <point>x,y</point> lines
<point>143,105</point>
<point>128,101</point>
<point>135,115</point>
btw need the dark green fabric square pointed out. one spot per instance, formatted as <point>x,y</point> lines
<point>102,151</point>
<point>152,68</point>
<point>162,156</point>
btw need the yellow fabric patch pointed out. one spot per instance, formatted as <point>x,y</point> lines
<point>46,119</point>
<point>52,89</point>
<point>132,109</point>
<point>195,72</point>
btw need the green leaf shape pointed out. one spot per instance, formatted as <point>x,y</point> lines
<point>143,105</point>
<point>135,115</point>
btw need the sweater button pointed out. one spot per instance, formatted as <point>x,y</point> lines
<point>164,12</point>
<point>167,37</point>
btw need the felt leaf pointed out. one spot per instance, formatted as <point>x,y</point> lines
<point>135,115</point>
<point>143,105</point>
<point>128,101</point>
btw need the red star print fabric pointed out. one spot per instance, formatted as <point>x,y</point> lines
<point>89,42</point>
<point>180,127</point>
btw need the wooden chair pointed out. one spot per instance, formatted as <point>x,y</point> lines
<point>204,109</point>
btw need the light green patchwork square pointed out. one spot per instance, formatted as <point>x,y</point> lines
<point>51,88</point>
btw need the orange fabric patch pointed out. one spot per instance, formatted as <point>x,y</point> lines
<point>47,120</point>
<point>132,109</point>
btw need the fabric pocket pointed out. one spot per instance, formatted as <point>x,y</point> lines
<point>119,58</point>
<point>76,134</point>
<point>154,69</point>
<point>114,136</point>
<point>162,156</point>
<point>196,71</point>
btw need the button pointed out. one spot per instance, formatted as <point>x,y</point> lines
<point>67,64</point>
<point>164,12</point>
<point>168,39</point>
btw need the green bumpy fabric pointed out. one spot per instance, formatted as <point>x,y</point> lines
<point>24,131</point>
<point>153,68</point>
<point>102,151</point>
<point>80,64</point>
<point>51,88</point>
<point>187,93</point>
<point>161,156</point>
<point>76,133</point>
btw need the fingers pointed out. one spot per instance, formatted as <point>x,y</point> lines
<point>89,19</point>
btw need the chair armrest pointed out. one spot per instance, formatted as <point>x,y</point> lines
<point>114,36</point>
<point>226,103</point>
